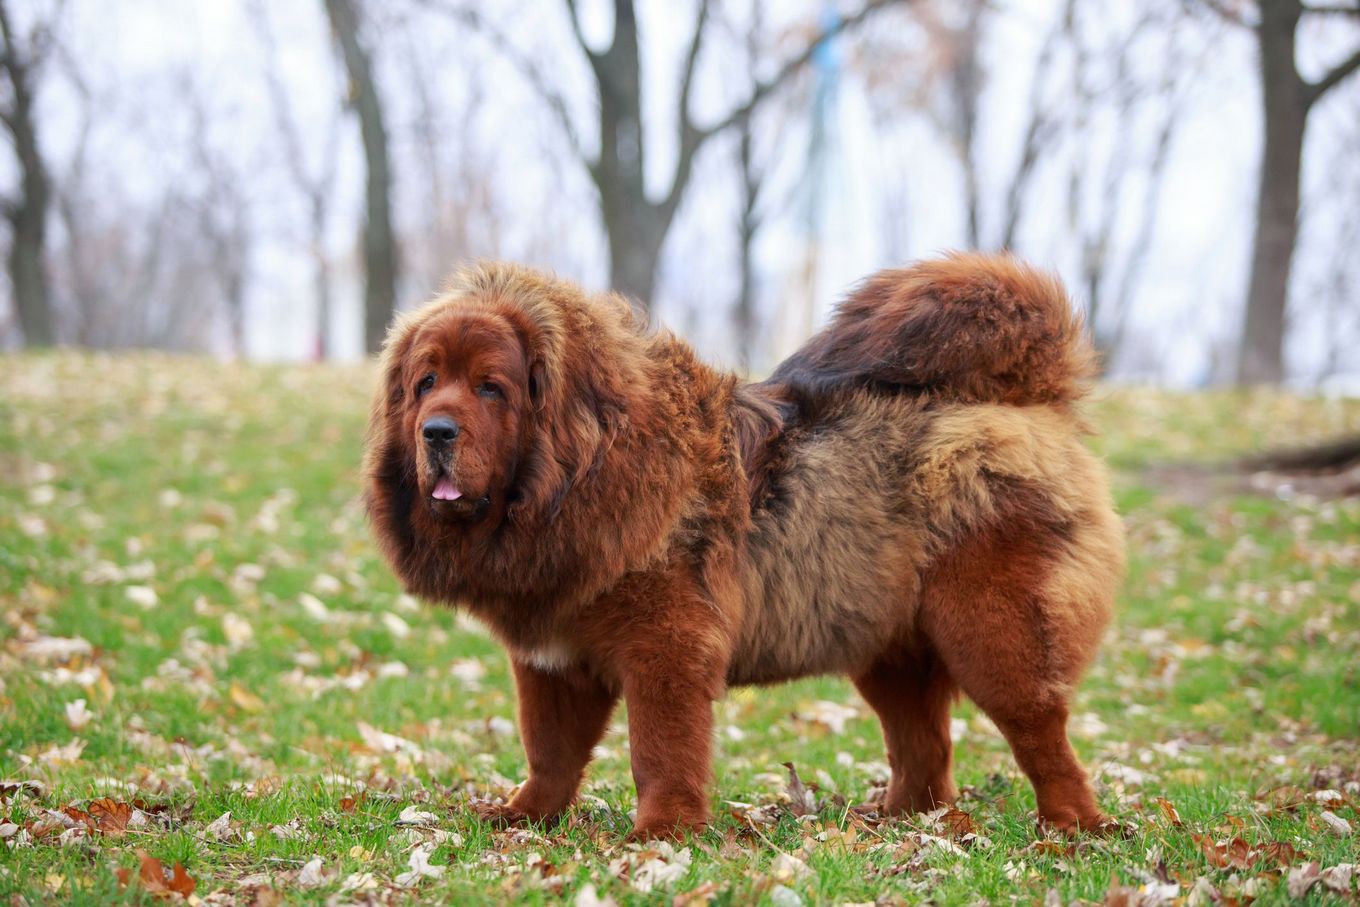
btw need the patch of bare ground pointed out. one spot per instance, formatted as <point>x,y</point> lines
<point>1324,471</point>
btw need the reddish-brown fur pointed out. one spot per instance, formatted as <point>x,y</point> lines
<point>906,501</point>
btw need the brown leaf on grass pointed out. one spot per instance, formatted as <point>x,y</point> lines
<point>1169,811</point>
<point>1280,853</point>
<point>164,812</point>
<point>152,877</point>
<point>80,817</point>
<point>1121,895</point>
<point>350,804</point>
<point>30,787</point>
<point>956,823</point>
<point>1234,853</point>
<point>802,802</point>
<point>264,896</point>
<point>697,897</point>
<point>1284,799</point>
<point>111,816</point>
<point>1052,848</point>
<point>105,815</point>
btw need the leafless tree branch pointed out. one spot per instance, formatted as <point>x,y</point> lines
<point>693,137</point>
<point>527,68</point>
<point>1226,10</point>
<point>592,55</point>
<point>1334,9</point>
<point>1334,77</point>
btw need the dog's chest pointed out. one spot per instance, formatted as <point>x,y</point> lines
<point>551,657</point>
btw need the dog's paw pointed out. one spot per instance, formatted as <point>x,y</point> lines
<point>501,815</point>
<point>674,831</point>
<point>1071,825</point>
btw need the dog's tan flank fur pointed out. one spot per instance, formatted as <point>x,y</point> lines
<point>907,500</point>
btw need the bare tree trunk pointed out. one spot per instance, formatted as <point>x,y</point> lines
<point>966,84</point>
<point>321,279</point>
<point>636,225</point>
<point>749,222</point>
<point>315,188</point>
<point>380,253</point>
<point>1286,100</point>
<point>27,213</point>
<point>1260,357</point>
<point>635,252</point>
<point>1040,129</point>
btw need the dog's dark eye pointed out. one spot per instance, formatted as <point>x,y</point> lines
<point>425,385</point>
<point>490,390</point>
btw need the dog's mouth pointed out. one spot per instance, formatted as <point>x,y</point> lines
<point>445,490</point>
<point>448,500</point>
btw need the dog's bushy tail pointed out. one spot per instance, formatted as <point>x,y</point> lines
<point>966,328</point>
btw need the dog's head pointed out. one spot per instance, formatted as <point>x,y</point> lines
<point>464,390</point>
<point>488,411</point>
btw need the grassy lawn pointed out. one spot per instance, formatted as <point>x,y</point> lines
<point>204,661</point>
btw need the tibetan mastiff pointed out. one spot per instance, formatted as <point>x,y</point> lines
<point>907,500</point>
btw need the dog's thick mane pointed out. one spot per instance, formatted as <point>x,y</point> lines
<point>610,402</point>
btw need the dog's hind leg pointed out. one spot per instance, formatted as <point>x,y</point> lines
<point>1016,615</point>
<point>912,696</point>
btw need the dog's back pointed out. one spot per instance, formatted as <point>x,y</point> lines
<point>937,405</point>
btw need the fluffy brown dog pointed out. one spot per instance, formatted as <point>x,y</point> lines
<point>907,500</point>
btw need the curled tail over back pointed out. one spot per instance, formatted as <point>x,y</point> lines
<point>968,327</point>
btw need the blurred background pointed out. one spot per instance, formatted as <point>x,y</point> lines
<point>271,181</point>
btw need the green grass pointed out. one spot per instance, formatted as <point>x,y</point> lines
<point>230,491</point>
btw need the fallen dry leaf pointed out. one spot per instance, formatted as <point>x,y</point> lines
<point>956,823</point>
<point>1302,878</point>
<point>695,897</point>
<point>1235,853</point>
<point>1338,877</point>
<point>802,802</point>
<point>1169,811</point>
<point>1335,824</point>
<point>153,877</point>
<point>350,804</point>
<point>1281,853</point>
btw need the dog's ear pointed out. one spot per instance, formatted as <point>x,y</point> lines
<point>574,422</point>
<point>382,445</point>
<point>391,394</point>
<point>388,468</point>
<point>536,371</point>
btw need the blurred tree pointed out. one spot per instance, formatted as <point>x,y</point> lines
<point>1115,92</point>
<point>315,184</point>
<point>636,224</point>
<point>752,179</point>
<point>221,213</point>
<point>950,88</point>
<point>160,265</point>
<point>380,250</point>
<point>21,61</point>
<point>1099,112</point>
<point>1287,98</point>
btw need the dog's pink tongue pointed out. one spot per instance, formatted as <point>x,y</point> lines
<point>444,490</point>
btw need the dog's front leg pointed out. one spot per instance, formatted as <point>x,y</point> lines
<point>562,715</point>
<point>670,731</point>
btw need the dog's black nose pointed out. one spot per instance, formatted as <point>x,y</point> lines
<point>439,431</point>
